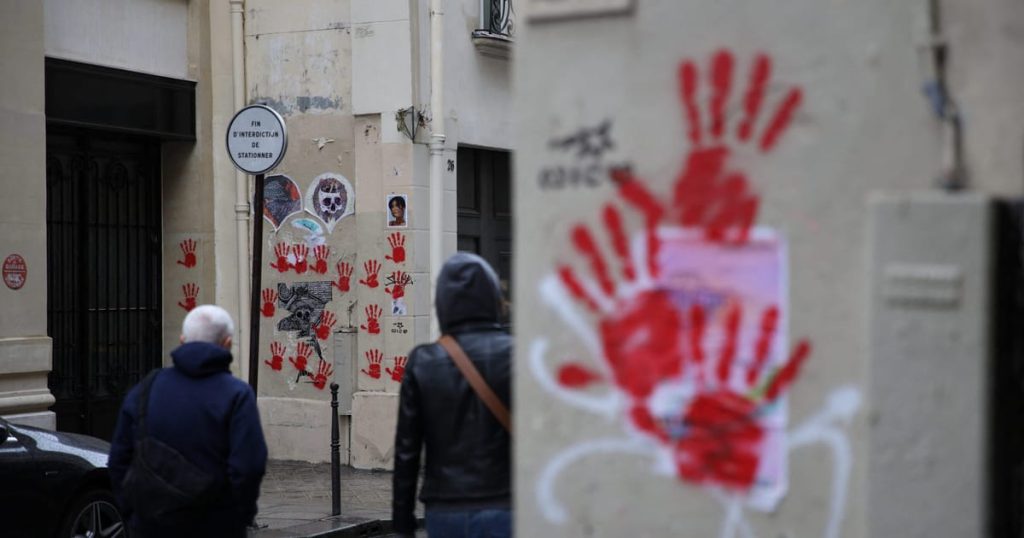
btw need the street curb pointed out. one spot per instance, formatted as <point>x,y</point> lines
<point>335,527</point>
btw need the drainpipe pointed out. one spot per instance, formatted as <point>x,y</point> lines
<point>241,191</point>
<point>437,138</point>
<point>954,173</point>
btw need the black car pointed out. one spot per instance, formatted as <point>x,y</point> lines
<point>55,484</point>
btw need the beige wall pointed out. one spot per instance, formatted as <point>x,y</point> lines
<point>24,346</point>
<point>147,36</point>
<point>199,184</point>
<point>297,62</point>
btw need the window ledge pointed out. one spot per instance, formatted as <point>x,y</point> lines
<point>492,44</point>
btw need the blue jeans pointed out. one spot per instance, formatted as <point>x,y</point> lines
<point>490,523</point>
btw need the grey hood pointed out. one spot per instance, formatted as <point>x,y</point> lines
<point>467,293</point>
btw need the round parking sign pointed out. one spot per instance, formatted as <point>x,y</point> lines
<point>257,139</point>
<point>15,271</point>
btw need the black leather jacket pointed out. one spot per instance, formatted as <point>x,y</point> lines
<point>467,449</point>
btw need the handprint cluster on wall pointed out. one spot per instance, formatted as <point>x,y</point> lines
<point>300,363</point>
<point>374,358</point>
<point>296,258</point>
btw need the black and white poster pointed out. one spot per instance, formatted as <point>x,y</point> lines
<point>330,198</point>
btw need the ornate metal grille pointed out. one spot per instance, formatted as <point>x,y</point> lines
<point>103,270</point>
<point>498,17</point>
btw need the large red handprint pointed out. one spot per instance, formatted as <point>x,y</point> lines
<point>344,274</point>
<point>301,358</point>
<point>277,356</point>
<point>190,291</point>
<point>324,325</point>
<point>281,250</point>
<point>649,344</point>
<point>398,281</point>
<point>373,313</point>
<point>301,254</point>
<point>188,251</point>
<point>399,370</point>
<point>269,297</point>
<point>321,253</point>
<point>397,242</point>
<point>323,372</point>
<point>373,357</point>
<point>372,269</point>
<point>709,194</point>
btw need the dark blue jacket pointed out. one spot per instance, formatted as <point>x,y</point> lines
<point>210,417</point>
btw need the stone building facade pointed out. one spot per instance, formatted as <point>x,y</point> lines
<point>127,210</point>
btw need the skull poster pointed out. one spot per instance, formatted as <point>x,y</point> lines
<point>281,199</point>
<point>330,198</point>
<point>305,302</point>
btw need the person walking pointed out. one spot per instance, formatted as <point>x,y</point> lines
<point>467,483</point>
<point>199,413</point>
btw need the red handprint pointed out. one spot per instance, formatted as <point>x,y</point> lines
<point>188,251</point>
<point>277,356</point>
<point>321,253</point>
<point>373,356</point>
<point>399,371</point>
<point>323,371</point>
<point>373,313</point>
<point>323,327</point>
<point>398,280</point>
<point>344,273</point>
<point>269,297</point>
<point>723,436</point>
<point>190,291</point>
<point>648,343</point>
<point>281,250</point>
<point>301,253</point>
<point>397,242</point>
<point>708,193</point>
<point>301,358</point>
<point>372,268</point>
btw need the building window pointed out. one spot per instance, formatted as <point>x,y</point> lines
<point>497,26</point>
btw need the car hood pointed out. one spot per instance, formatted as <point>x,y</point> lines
<point>88,448</point>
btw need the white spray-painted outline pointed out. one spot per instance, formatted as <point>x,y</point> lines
<point>608,406</point>
<point>841,405</point>
<point>553,510</point>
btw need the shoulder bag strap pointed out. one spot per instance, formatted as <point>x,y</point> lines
<point>143,403</point>
<point>476,381</point>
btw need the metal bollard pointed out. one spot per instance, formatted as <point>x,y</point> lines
<point>335,454</point>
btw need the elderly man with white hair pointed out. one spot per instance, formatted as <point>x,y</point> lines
<point>198,411</point>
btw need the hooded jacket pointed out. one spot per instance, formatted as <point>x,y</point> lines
<point>210,417</point>
<point>467,460</point>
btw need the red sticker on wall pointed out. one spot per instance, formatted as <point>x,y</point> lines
<point>15,271</point>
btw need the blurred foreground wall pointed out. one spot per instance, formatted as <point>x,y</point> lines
<point>705,292</point>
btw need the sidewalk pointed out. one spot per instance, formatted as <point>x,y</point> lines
<point>295,500</point>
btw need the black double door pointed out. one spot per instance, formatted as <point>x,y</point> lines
<point>485,208</point>
<point>103,269</point>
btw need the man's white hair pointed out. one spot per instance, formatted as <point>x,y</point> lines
<point>207,323</point>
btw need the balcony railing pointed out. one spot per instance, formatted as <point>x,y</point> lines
<point>497,17</point>
<point>497,27</point>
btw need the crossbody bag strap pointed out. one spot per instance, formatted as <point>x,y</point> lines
<point>143,403</point>
<point>480,387</point>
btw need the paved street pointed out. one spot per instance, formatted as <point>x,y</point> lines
<point>295,500</point>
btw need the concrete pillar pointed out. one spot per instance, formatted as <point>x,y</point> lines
<point>24,345</point>
<point>616,428</point>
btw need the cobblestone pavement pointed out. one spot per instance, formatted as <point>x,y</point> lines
<point>295,493</point>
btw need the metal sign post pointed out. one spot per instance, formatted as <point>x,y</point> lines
<point>257,141</point>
